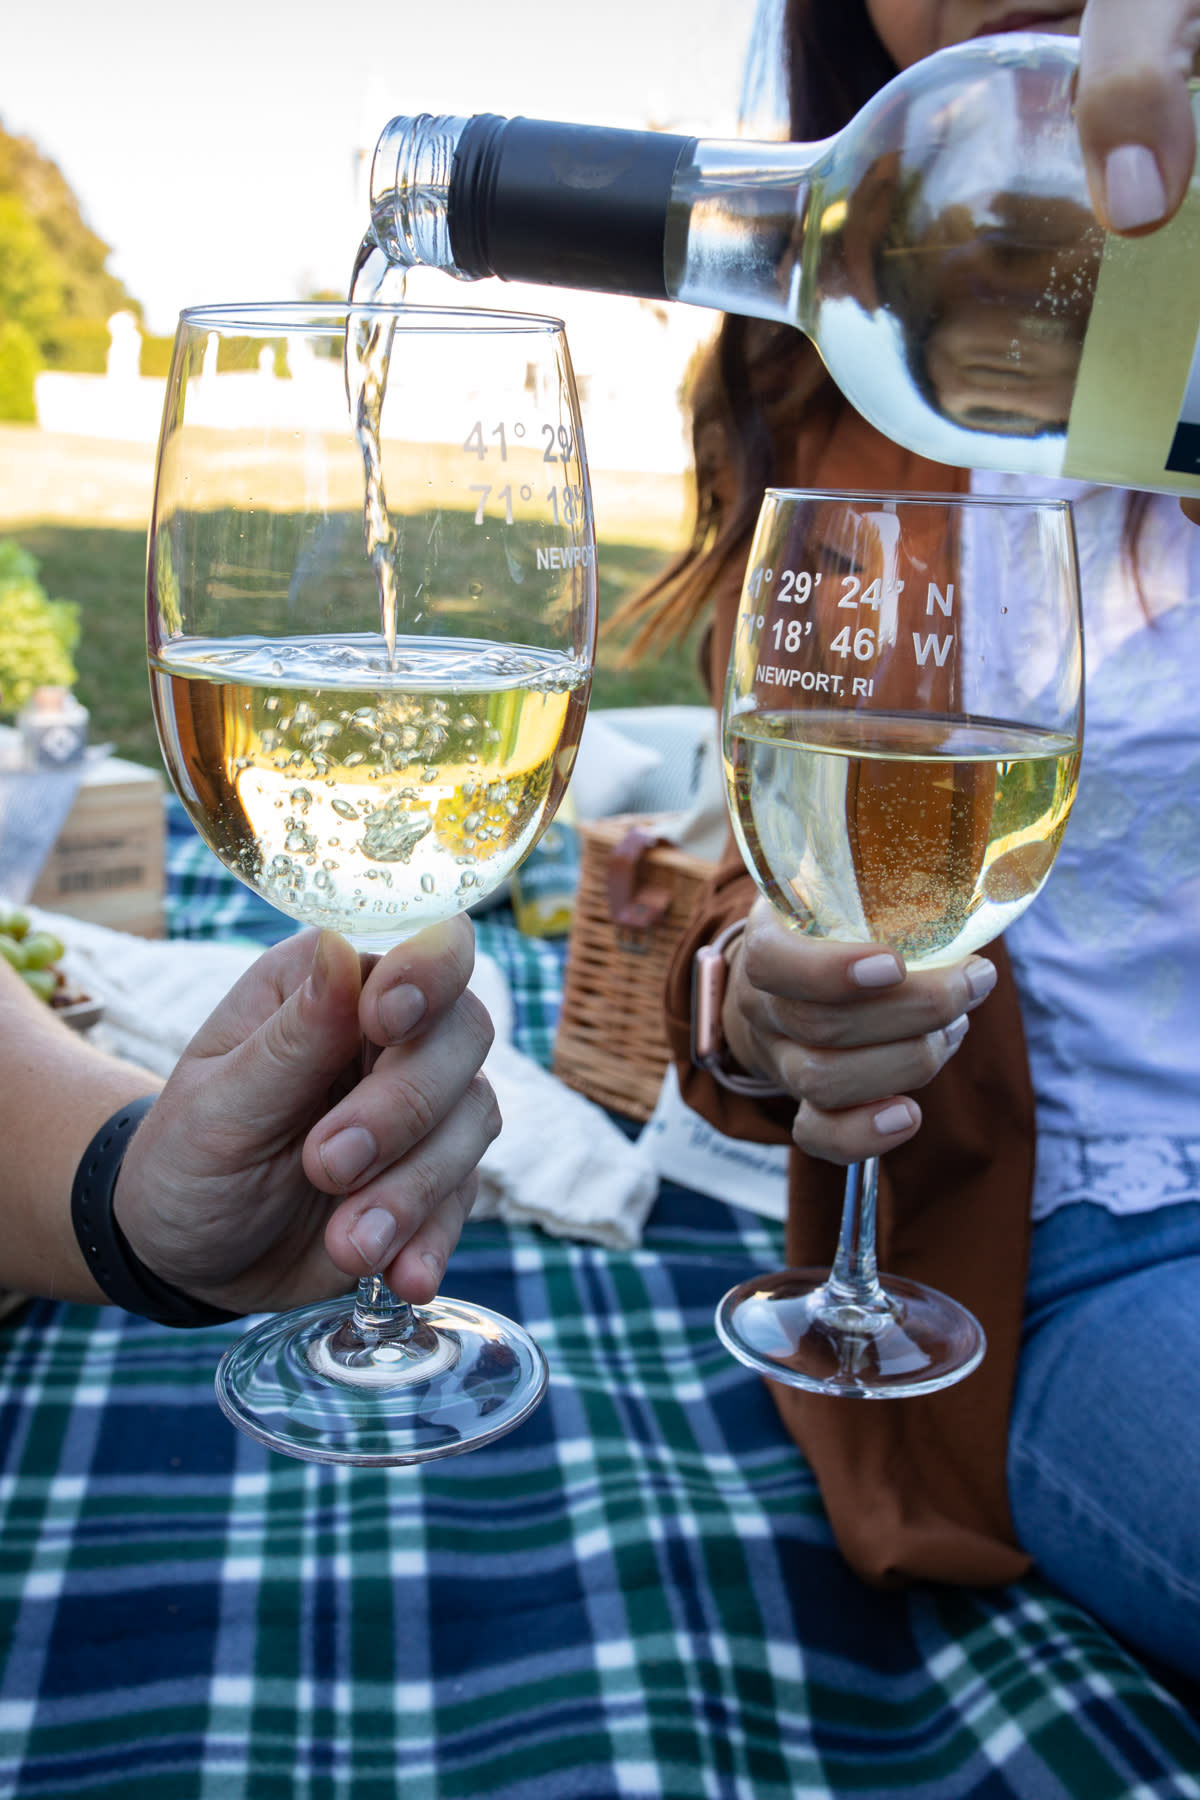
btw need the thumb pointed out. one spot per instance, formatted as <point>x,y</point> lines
<point>274,1077</point>
<point>1133,111</point>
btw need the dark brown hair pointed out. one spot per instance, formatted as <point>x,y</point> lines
<point>760,381</point>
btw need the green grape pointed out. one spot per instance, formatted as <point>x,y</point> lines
<point>42,981</point>
<point>41,949</point>
<point>14,921</point>
<point>12,952</point>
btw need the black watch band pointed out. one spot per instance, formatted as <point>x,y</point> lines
<point>114,1267</point>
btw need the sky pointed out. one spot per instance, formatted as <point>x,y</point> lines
<point>217,148</point>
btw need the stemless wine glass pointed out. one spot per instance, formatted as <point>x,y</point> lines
<point>371,621</point>
<point>902,732</point>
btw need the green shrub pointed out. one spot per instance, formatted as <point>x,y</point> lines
<point>37,635</point>
<point>19,363</point>
<point>79,346</point>
<point>156,356</point>
<point>234,355</point>
<point>239,355</point>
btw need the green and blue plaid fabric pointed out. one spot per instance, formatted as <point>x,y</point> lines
<point>204,901</point>
<point>633,1597</point>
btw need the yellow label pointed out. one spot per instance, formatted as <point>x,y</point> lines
<point>1135,417</point>
<point>543,887</point>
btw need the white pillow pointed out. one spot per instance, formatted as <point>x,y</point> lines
<point>608,768</point>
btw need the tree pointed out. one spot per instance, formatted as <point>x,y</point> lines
<point>19,364</point>
<point>37,634</point>
<point>30,290</point>
<point>54,278</point>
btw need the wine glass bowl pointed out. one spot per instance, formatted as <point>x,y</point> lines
<point>356,780</point>
<point>902,732</point>
<point>371,618</point>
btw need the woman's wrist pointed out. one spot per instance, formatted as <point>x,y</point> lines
<point>710,1049</point>
<point>113,1264</point>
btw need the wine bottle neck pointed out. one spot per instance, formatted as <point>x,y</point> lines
<point>738,227</point>
<point>410,182</point>
<point>563,205</point>
<point>716,224</point>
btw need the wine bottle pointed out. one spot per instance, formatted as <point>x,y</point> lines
<point>940,251</point>
<point>544,885</point>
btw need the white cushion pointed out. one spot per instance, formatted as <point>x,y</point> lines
<point>610,766</point>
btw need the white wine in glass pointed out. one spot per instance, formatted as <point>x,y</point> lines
<point>902,734</point>
<point>371,623</point>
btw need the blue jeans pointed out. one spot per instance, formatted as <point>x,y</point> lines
<point>1104,1451</point>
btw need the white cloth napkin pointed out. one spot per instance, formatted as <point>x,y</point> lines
<point>559,1162</point>
<point>34,806</point>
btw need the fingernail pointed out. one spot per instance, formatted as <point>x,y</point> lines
<point>432,1264</point>
<point>893,1119</point>
<point>348,1154</point>
<point>400,1009</point>
<point>981,978</point>
<point>876,971</point>
<point>373,1236</point>
<point>956,1031</point>
<point>1133,187</point>
<point>318,975</point>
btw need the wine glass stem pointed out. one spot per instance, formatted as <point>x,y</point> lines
<point>378,1313</point>
<point>855,1272</point>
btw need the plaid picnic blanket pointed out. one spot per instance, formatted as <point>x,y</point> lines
<point>204,901</point>
<point>633,1597</point>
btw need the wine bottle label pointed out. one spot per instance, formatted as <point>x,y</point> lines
<point>545,884</point>
<point>1135,417</point>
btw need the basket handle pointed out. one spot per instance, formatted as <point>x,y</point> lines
<point>634,910</point>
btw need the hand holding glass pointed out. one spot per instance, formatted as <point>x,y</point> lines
<point>902,732</point>
<point>371,619</point>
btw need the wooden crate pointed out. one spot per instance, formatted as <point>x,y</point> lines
<point>635,896</point>
<point>108,865</point>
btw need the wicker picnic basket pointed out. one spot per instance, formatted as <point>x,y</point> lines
<point>636,893</point>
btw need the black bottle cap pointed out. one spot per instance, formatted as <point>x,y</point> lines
<point>574,206</point>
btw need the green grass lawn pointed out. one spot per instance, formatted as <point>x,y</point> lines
<point>102,569</point>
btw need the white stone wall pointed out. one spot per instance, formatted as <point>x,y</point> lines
<point>629,360</point>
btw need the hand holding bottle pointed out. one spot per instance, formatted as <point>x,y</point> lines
<point>1133,110</point>
<point>1136,126</point>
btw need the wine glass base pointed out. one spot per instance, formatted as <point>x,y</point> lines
<point>297,1384</point>
<point>793,1327</point>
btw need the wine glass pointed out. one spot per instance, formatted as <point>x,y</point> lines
<point>371,619</point>
<point>902,732</point>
